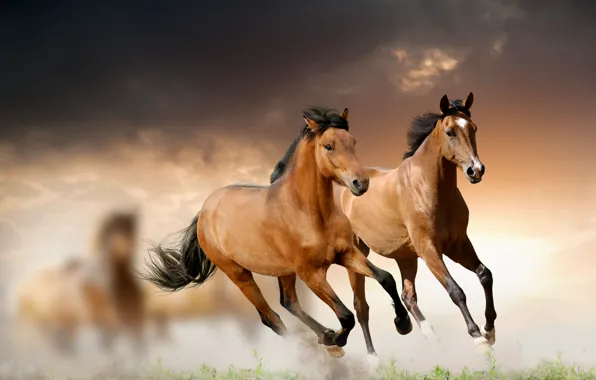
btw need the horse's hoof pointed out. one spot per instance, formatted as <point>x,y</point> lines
<point>403,325</point>
<point>489,335</point>
<point>427,331</point>
<point>335,351</point>
<point>482,345</point>
<point>328,337</point>
<point>341,338</point>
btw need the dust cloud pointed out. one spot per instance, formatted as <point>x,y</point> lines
<point>542,293</point>
<point>529,329</point>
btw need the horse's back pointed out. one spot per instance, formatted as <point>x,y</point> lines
<point>51,296</point>
<point>232,207</point>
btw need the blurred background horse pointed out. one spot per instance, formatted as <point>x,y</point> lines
<point>98,290</point>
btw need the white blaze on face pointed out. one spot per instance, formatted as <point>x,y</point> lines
<point>461,122</point>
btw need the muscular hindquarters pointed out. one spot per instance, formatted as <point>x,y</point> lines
<point>237,223</point>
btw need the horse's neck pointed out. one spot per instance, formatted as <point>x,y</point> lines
<point>314,192</point>
<point>438,174</point>
<point>117,269</point>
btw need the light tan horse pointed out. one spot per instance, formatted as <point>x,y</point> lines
<point>50,305</point>
<point>99,291</point>
<point>290,228</point>
<point>416,210</point>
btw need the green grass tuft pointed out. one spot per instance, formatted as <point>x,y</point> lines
<point>548,370</point>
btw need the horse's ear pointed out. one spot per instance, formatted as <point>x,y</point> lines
<point>444,105</point>
<point>345,114</point>
<point>469,101</point>
<point>310,123</point>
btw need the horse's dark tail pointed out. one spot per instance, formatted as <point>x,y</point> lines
<point>172,269</point>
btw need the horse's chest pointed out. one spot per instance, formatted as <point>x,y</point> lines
<point>340,242</point>
<point>448,225</point>
<point>446,235</point>
<point>328,244</point>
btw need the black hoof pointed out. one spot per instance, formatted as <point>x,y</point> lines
<point>341,340</point>
<point>403,325</point>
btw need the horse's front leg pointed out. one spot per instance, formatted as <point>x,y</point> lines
<point>430,253</point>
<point>466,256</point>
<point>289,300</point>
<point>358,263</point>
<point>316,280</point>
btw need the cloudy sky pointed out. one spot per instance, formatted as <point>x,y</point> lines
<point>109,104</point>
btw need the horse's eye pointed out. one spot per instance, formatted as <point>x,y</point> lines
<point>328,147</point>
<point>450,132</point>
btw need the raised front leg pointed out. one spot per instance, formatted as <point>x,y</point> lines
<point>466,256</point>
<point>358,263</point>
<point>409,268</point>
<point>431,255</point>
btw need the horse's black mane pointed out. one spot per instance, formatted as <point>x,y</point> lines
<point>325,118</point>
<point>424,124</point>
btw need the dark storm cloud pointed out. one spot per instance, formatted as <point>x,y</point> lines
<point>68,65</point>
<point>91,71</point>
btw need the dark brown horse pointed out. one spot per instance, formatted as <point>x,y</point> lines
<point>416,211</point>
<point>290,228</point>
<point>122,290</point>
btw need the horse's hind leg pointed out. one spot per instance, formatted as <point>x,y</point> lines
<point>409,268</point>
<point>434,260</point>
<point>466,256</point>
<point>245,281</point>
<point>357,282</point>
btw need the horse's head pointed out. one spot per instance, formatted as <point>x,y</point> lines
<point>117,237</point>
<point>335,151</point>
<point>459,137</point>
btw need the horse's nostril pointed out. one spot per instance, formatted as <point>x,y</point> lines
<point>470,171</point>
<point>482,168</point>
<point>357,184</point>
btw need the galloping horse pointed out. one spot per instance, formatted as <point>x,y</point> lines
<point>290,228</point>
<point>99,291</point>
<point>416,210</point>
